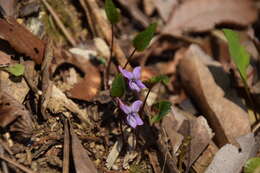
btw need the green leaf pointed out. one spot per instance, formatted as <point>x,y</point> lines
<point>160,78</point>
<point>237,52</point>
<point>16,70</point>
<point>252,165</point>
<point>118,86</point>
<point>164,107</point>
<point>111,12</point>
<point>142,40</point>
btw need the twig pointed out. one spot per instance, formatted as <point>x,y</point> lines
<point>15,163</point>
<point>66,150</point>
<point>59,23</point>
<point>110,58</point>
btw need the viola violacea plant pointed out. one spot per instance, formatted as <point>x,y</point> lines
<point>118,88</point>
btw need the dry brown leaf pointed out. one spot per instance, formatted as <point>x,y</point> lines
<point>149,7</point>
<point>166,7</point>
<point>17,89</point>
<point>9,7</point>
<point>22,40</point>
<point>203,15</point>
<point>136,13</point>
<point>221,112</point>
<point>59,103</point>
<point>82,162</point>
<point>201,135</point>
<point>10,110</point>
<point>4,58</point>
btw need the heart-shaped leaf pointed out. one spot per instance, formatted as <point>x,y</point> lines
<point>111,12</point>
<point>16,70</point>
<point>252,165</point>
<point>118,86</point>
<point>237,52</point>
<point>163,107</point>
<point>142,40</point>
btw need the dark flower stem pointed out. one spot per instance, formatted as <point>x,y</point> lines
<point>145,99</point>
<point>110,58</point>
<point>129,58</point>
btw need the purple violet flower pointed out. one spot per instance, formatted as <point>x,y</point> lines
<point>133,118</point>
<point>134,78</point>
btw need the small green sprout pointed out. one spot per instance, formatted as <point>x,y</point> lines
<point>16,69</point>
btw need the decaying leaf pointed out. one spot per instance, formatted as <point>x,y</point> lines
<point>9,7</point>
<point>221,112</point>
<point>82,162</point>
<point>201,136</point>
<point>18,90</point>
<point>114,153</point>
<point>203,15</point>
<point>165,7</point>
<point>22,40</point>
<point>11,110</point>
<point>59,103</point>
<point>4,59</point>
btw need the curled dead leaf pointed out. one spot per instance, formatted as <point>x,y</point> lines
<point>87,88</point>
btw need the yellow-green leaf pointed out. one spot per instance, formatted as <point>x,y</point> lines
<point>252,165</point>
<point>237,52</point>
<point>16,70</point>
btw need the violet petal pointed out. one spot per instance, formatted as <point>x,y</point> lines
<point>137,72</point>
<point>126,73</point>
<point>136,106</point>
<point>133,86</point>
<point>140,84</point>
<point>138,120</point>
<point>131,120</point>
<point>126,109</point>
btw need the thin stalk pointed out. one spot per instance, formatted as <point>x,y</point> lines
<point>145,99</point>
<point>121,129</point>
<point>129,58</point>
<point>110,57</point>
<point>250,98</point>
